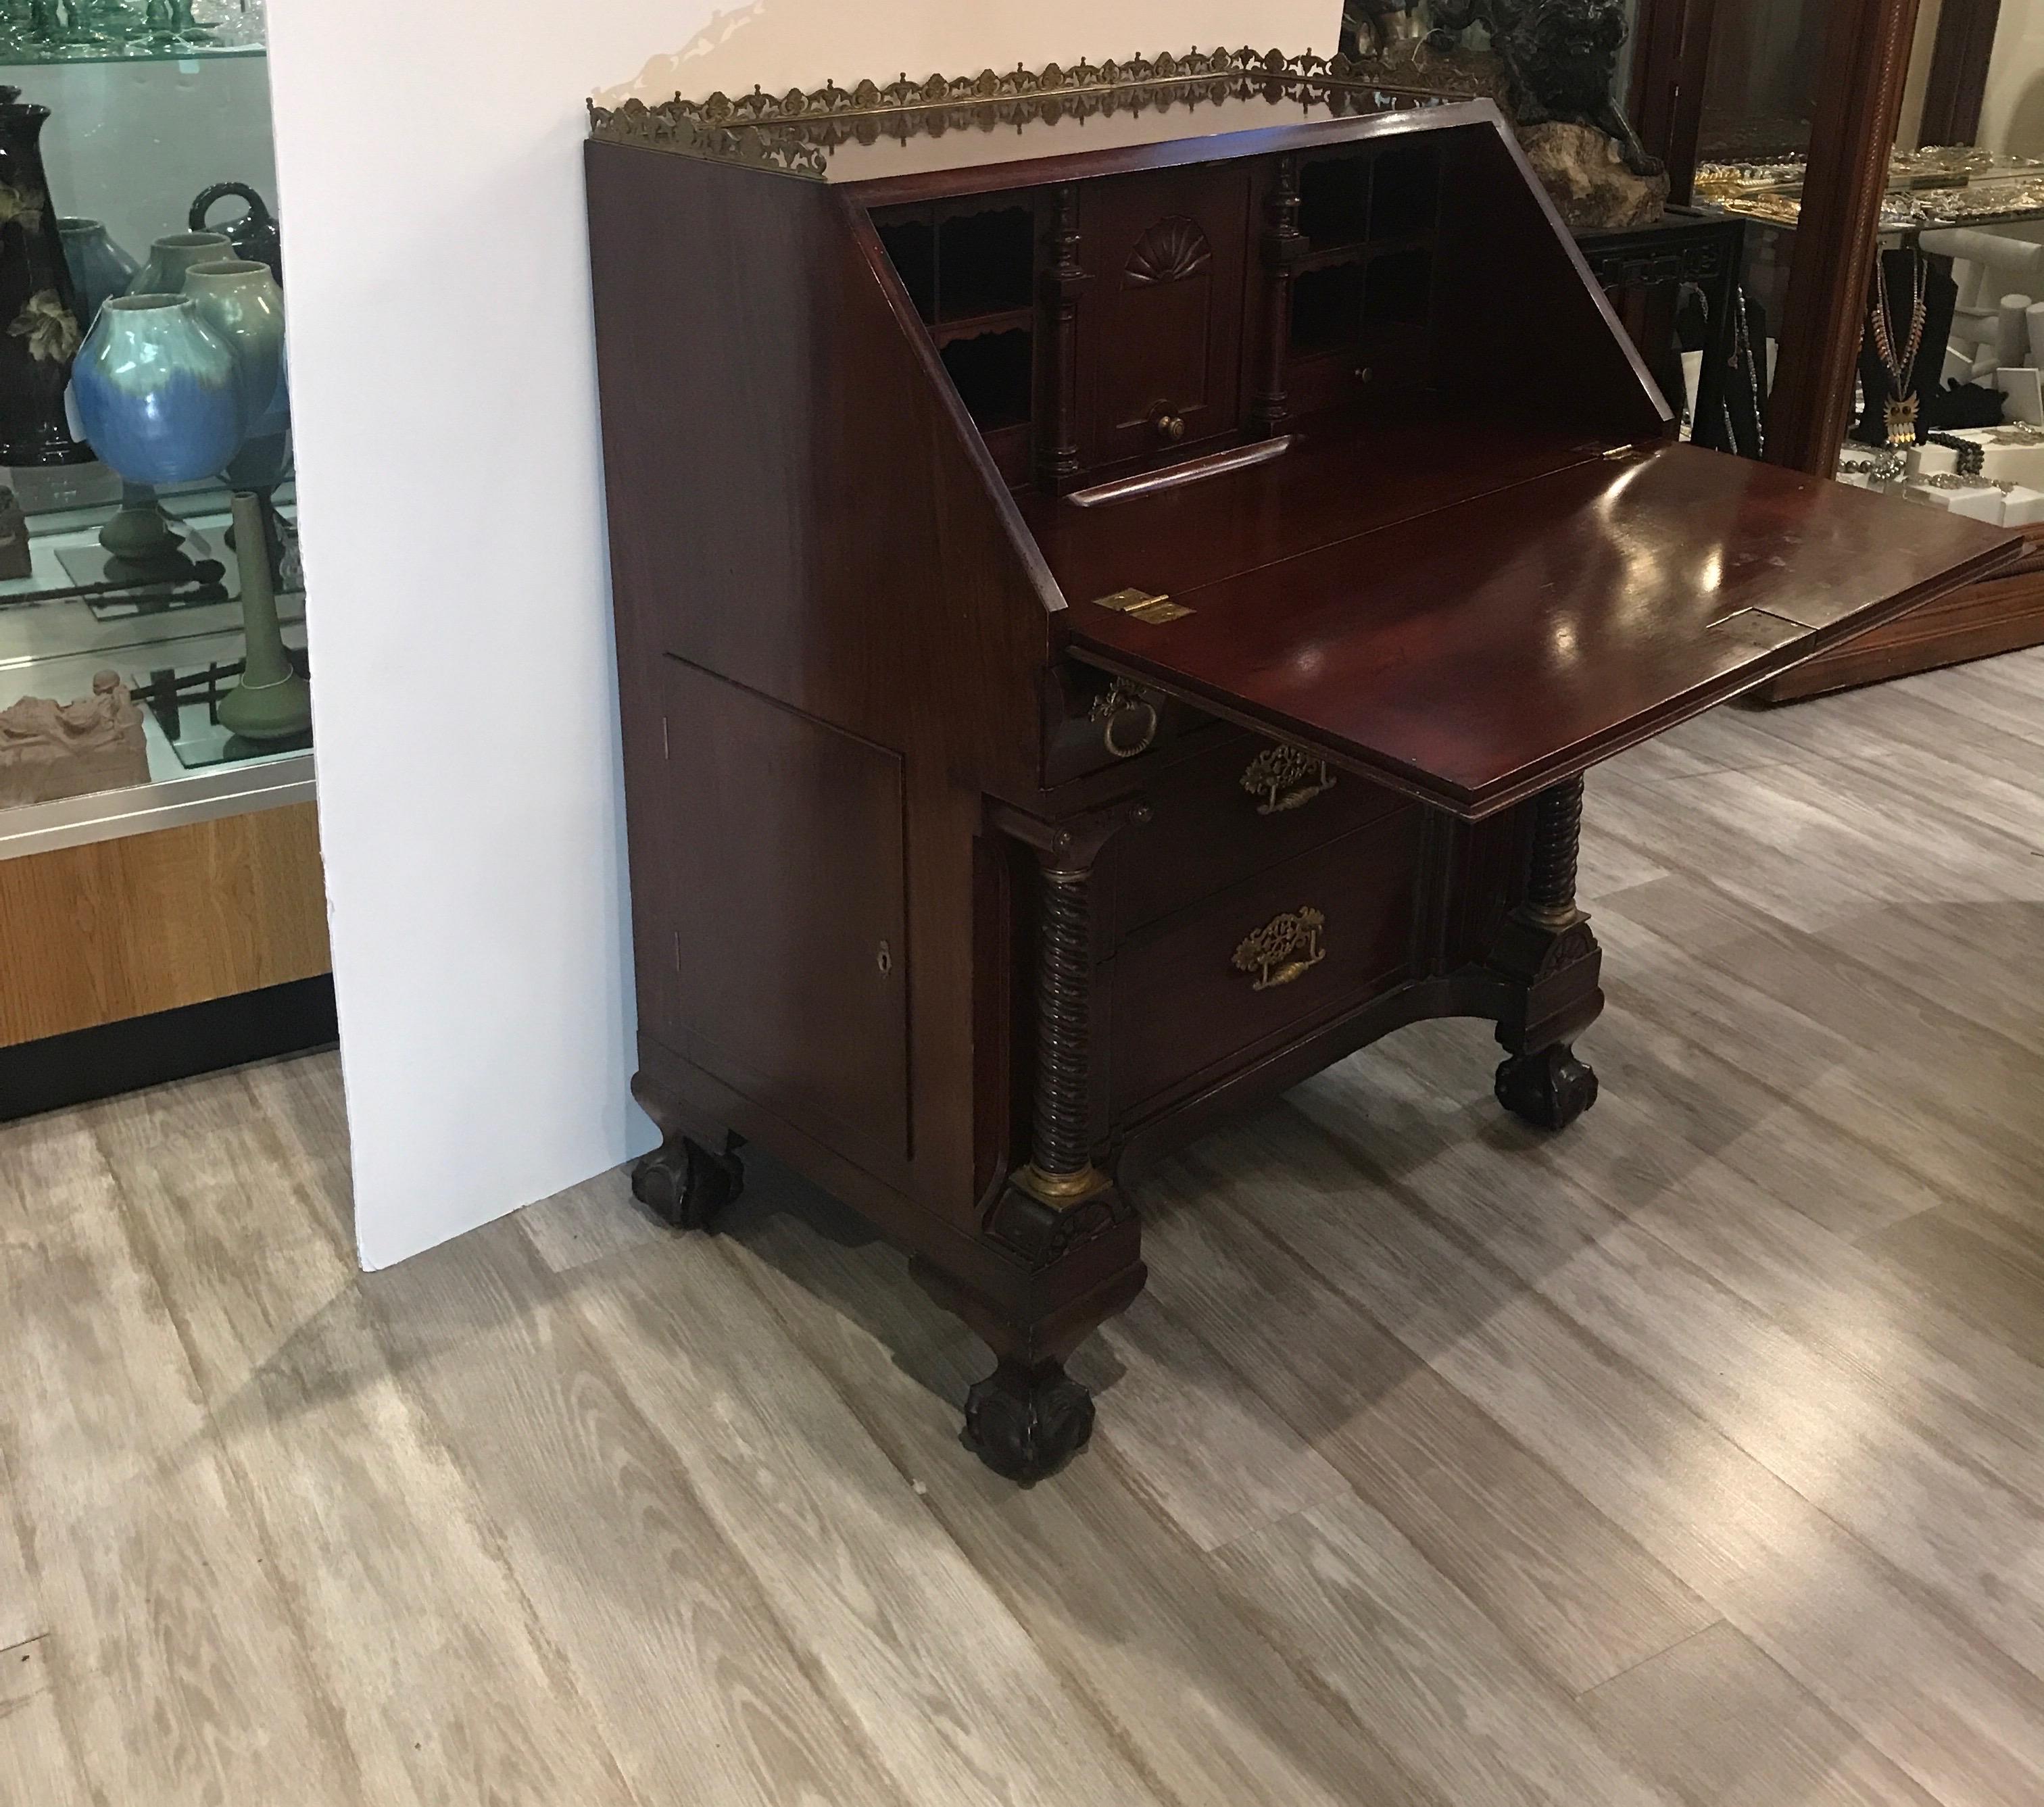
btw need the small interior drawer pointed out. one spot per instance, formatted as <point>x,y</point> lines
<point>1222,814</point>
<point>1303,941</point>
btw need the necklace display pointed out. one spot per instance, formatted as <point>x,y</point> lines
<point>1742,361</point>
<point>1971,455</point>
<point>1883,467</point>
<point>1900,412</point>
<point>1965,480</point>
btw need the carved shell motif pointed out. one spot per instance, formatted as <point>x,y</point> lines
<point>1169,252</point>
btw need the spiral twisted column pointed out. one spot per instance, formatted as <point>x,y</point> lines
<point>1558,826</point>
<point>1061,1151</point>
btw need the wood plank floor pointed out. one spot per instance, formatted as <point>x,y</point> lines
<point>1693,1459</point>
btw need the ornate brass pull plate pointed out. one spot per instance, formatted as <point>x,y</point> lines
<point>1286,948</point>
<point>1285,777</point>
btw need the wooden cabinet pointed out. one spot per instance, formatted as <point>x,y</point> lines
<point>1120,572</point>
<point>1160,338</point>
<point>1298,941</point>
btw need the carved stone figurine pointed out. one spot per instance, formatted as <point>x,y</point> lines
<point>66,749</point>
<point>1560,59</point>
<point>1551,64</point>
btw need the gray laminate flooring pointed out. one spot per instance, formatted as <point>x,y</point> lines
<point>1695,1457</point>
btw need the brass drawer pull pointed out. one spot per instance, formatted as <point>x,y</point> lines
<point>1122,698</point>
<point>1286,948</point>
<point>1285,777</point>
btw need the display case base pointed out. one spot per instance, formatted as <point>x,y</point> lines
<point>89,1064</point>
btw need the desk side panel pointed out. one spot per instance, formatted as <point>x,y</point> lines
<point>1520,324</point>
<point>791,518</point>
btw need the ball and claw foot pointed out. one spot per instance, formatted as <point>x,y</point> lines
<point>1026,1423</point>
<point>684,1185</point>
<point>1549,1088</point>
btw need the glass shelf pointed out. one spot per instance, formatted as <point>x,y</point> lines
<point>175,645</point>
<point>119,31</point>
<point>24,56</point>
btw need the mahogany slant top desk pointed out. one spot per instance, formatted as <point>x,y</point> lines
<point>1120,572</point>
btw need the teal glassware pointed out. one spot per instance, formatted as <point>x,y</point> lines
<point>158,391</point>
<point>100,269</point>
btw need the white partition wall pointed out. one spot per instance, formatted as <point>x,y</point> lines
<point>451,500</point>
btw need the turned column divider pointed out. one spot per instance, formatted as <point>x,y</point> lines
<point>1064,281</point>
<point>1283,246</point>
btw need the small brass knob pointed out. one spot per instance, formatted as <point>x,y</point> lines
<point>1170,427</point>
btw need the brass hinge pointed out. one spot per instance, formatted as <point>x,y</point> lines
<point>1151,606</point>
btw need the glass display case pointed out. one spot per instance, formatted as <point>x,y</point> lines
<point>1893,189</point>
<point>152,605</point>
<point>161,889</point>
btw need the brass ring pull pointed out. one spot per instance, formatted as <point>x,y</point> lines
<point>1284,776</point>
<point>1122,698</point>
<point>1286,948</point>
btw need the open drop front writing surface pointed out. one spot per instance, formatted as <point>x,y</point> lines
<point>1474,654</point>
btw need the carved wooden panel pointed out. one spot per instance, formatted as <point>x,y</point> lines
<point>782,893</point>
<point>1160,327</point>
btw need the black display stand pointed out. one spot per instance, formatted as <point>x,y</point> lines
<point>1687,248</point>
<point>1941,298</point>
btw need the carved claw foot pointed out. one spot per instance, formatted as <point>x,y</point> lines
<point>1026,1423</point>
<point>1550,1089</point>
<point>683,1184</point>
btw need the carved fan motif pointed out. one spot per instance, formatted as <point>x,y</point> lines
<point>1169,252</point>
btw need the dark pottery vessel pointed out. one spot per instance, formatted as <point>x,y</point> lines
<point>255,235</point>
<point>39,330</point>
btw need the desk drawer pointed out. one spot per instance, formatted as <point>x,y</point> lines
<point>1208,829</point>
<point>1304,942</point>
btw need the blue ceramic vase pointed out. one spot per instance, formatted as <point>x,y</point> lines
<point>158,391</point>
<point>100,269</point>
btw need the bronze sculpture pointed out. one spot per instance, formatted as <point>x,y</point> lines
<point>1560,61</point>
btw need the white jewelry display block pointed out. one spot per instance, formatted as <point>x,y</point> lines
<point>2024,387</point>
<point>2023,506</point>
<point>2013,340</point>
<point>1985,504</point>
<point>2013,464</point>
<point>2000,464</point>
